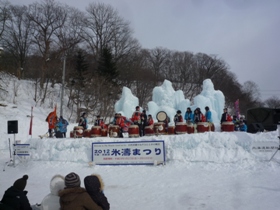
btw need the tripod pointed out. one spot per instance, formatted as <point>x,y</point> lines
<point>11,162</point>
<point>276,150</point>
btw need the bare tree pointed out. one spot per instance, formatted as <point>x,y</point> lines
<point>104,28</point>
<point>47,18</point>
<point>273,102</point>
<point>17,37</point>
<point>4,15</point>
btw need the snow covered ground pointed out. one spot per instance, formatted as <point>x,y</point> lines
<point>213,170</point>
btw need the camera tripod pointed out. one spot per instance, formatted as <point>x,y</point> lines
<point>11,162</point>
<point>276,150</point>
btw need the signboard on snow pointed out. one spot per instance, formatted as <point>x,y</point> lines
<point>265,146</point>
<point>22,149</point>
<point>128,153</point>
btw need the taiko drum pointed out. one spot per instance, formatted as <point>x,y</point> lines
<point>149,131</point>
<point>202,127</point>
<point>190,128</point>
<point>159,128</point>
<point>181,128</point>
<point>171,130</point>
<point>95,131</point>
<point>114,131</point>
<point>87,133</point>
<point>227,126</point>
<point>133,131</point>
<point>78,131</point>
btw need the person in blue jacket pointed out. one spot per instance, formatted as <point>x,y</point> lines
<point>242,125</point>
<point>208,115</point>
<point>189,115</point>
<point>63,126</point>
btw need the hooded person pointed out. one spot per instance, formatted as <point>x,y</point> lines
<point>74,197</point>
<point>95,186</point>
<point>15,197</point>
<point>51,201</point>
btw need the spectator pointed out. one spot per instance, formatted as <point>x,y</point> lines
<point>58,129</point>
<point>235,122</point>
<point>51,201</point>
<point>242,125</point>
<point>15,197</point>
<point>73,197</point>
<point>95,186</point>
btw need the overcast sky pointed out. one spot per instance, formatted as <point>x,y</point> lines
<point>244,33</point>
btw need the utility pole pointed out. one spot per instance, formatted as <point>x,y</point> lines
<point>62,87</point>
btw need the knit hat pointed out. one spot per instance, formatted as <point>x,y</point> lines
<point>21,183</point>
<point>72,180</point>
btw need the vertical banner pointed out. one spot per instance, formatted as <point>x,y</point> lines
<point>236,107</point>
<point>31,122</point>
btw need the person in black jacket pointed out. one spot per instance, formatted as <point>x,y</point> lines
<point>95,186</point>
<point>15,196</point>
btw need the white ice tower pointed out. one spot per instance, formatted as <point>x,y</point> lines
<point>212,98</point>
<point>166,99</point>
<point>127,103</point>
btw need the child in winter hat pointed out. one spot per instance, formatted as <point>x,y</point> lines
<point>72,180</point>
<point>20,184</point>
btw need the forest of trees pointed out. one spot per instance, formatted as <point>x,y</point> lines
<point>102,56</point>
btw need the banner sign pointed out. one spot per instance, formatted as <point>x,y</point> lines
<point>128,153</point>
<point>22,149</point>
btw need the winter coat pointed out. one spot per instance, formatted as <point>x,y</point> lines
<point>83,122</point>
<point>64,124</point>
<point>178,118</point>
<point>208,116</point>
<point>17,199</point>
<point>189,117</point>
<point>76,198</point>
<point>51,201</point>
<point>94,186</point>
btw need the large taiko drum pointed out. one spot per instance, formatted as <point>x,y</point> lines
<point>181,128</point>
<point>171,130</point>
<point>104,132</point>
<point>87,133</point>
<point>159,128</point>
<point>190,128</point>
<point>95,131</point>
<point>114,131</point>
<point>202,127</point>
<point>149,131</point>
<point>78,131</point>
<point>161,116</point>
<point>227,126</point>
<point>133,131</point>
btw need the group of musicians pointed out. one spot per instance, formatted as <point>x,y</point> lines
<point>142,120</point>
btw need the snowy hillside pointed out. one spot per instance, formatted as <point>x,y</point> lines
<point>212,170</point>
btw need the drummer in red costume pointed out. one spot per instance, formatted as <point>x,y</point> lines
<point>178,117</point>
<point>136,118</point>
<point>123,123</point>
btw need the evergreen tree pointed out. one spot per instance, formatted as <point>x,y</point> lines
<point>107,66</point>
